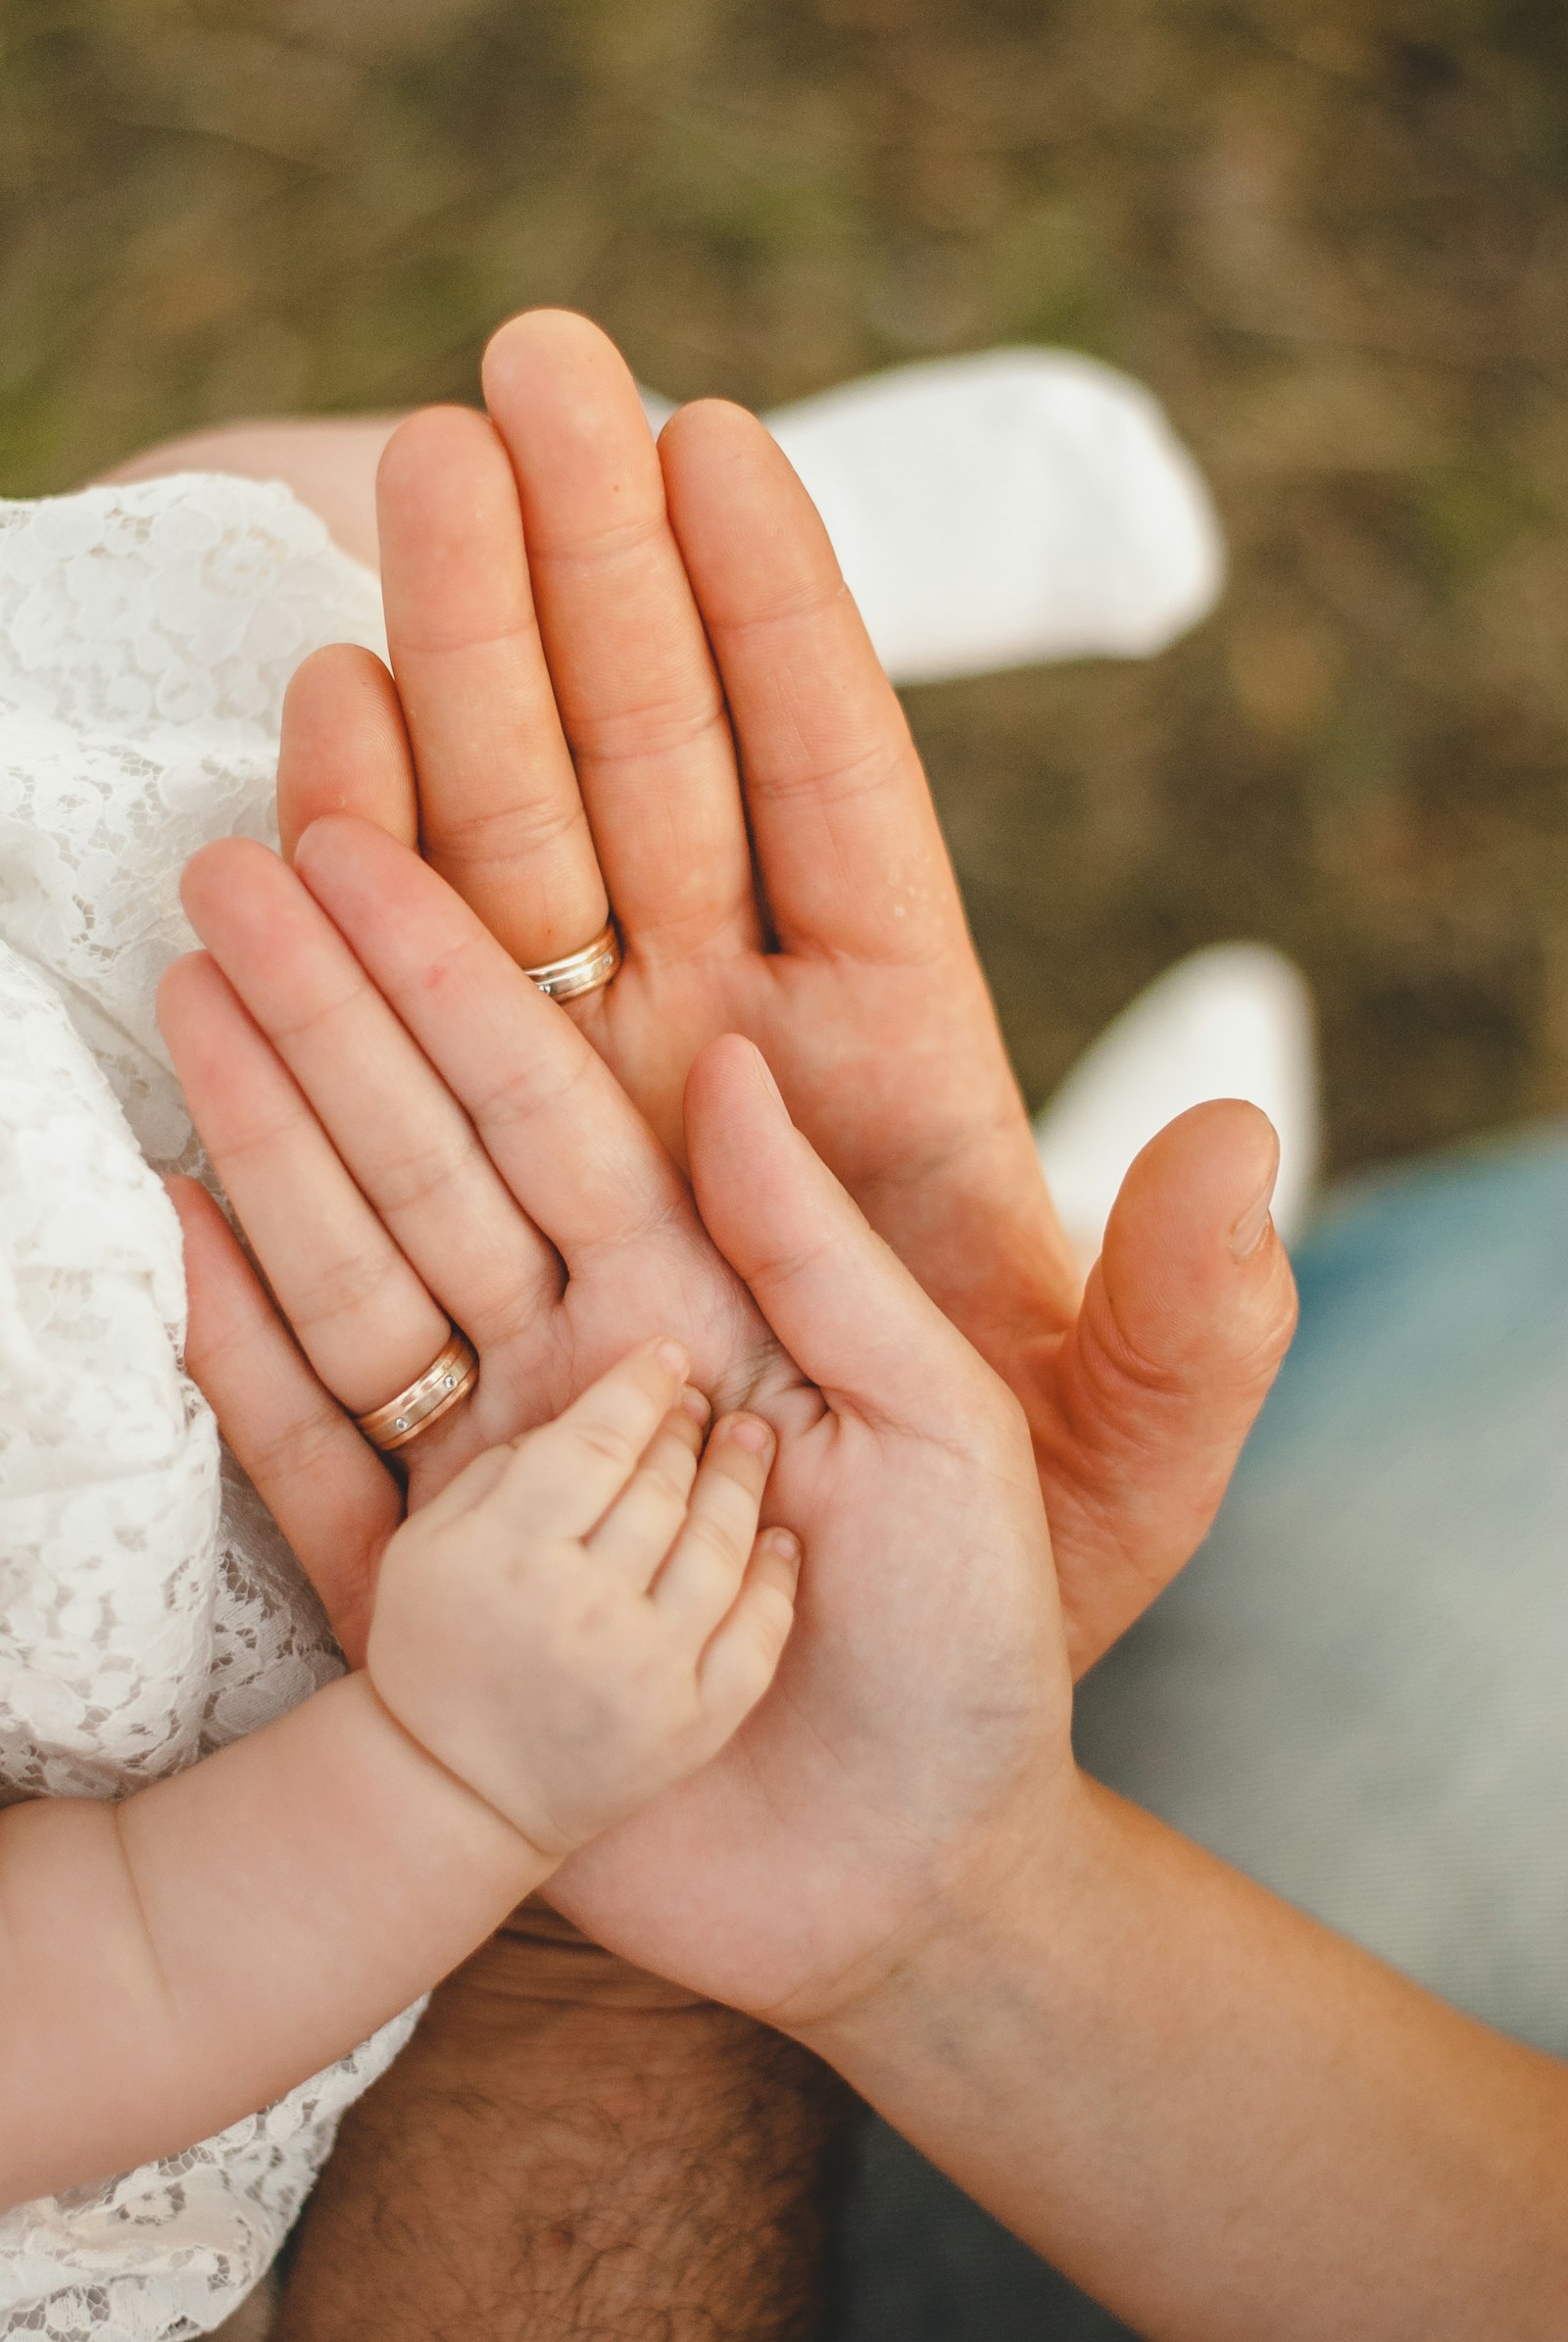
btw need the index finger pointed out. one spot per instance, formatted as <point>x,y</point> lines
<point>555,1124</point>
<point>852,857</point>
<point>567,1475</point>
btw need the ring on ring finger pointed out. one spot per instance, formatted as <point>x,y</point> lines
<point>447,1380</point>
<point>580,972</point>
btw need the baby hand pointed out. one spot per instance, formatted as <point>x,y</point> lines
<point>586,1613</point>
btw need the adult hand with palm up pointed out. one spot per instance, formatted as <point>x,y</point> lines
<point>409,1132</point>
<point>633,675</point>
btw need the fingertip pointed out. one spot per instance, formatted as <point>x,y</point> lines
<point>728,1077</point>
<point>719,428</point>
<point>745,1650</point>
<point>187,1195</point>
<point>782,1547</point>
<point>344,747</point>
<point>173,984</point>
<point>190,992</point>
<point>426,439</point>
<point>213,868</point>
<point>1213,1169</point>
<point>754,541</point>
<point>556,334</point>
<point>196,1211</point>
<point>747,1432</point>
<point>327,843</point>
<point>1191,1264</point>
<point>683,1427</point>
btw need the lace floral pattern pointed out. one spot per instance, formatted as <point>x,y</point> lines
<point>149,1610</point>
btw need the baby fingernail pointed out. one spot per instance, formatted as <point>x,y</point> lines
<point>785,1543</point>
<point>672,1354</point>
<point>750,1432</point>
<point>693,1404</point>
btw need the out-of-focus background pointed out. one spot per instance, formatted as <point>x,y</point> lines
<point>1331,234</point>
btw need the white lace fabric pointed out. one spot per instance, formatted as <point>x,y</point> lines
<point>149,1610</point>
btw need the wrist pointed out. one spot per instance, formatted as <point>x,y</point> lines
<point>496,1847</point>
<point>540,1956</point>
<point>1024,1897</point>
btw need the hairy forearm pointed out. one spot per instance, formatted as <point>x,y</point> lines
<point>170,1963</point>
<point>1216,2115</point>
<point>570,2149</point>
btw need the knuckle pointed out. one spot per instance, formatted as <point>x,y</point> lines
<point>528,1090</point>
<point>413,1177</point>
<point>610,541</point>
<point>606,1443</point>
<point>504,835</point>
<point>314,1014</point>
<point>877,767</point>
<point>709,1541</point>
<point>298,1447</point>
<point>512,1315</point>
<point>669,1486</point>
<point>650,732</point>
<point>337,1289</point>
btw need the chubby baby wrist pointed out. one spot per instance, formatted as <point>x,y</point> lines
<point>504,1850</point>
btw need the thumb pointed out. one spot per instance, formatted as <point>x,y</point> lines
<point>850,1314</point>
<point>1185,1321</point>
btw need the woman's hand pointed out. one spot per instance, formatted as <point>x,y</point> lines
<point>918,1731</point>
<point>635,675</point>
<point>456,1148</point>
<point>411,1136</point>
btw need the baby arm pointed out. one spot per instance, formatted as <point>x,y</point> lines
<point>583,1617</point>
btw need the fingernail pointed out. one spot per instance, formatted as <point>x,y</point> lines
<point>750,1432</point>
<point>785,1543</point>
<point>693,1404</point>
<point>1253,1225</point>
<point>673,1356</point>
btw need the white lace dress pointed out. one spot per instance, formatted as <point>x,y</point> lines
<point>149,1610</point>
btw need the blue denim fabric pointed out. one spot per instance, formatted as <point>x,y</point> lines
<point>1358,1691</point>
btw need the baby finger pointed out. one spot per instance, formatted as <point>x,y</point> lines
<point>644,1522</point>
<point>741,1659</point>
<point>567,1474</point>
<point>698,1582</point>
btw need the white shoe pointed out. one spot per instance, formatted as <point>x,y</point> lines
<point>995,511</point>
<point>1234,1021</point>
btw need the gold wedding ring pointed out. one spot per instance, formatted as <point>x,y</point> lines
<point>580,972</point>
<point>447,1379</point>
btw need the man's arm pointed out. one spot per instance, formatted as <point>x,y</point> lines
<point>571,2149</point>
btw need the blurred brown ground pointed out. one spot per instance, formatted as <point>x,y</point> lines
<point>1334,239</point>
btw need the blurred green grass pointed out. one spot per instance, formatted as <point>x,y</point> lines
<point>1334,239</point>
